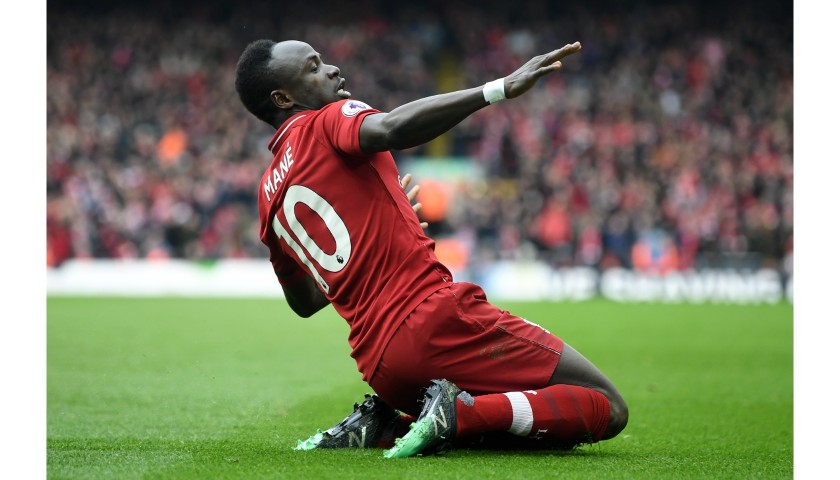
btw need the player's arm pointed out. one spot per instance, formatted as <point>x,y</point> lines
<point>304,296</point>
<point>421,121</point>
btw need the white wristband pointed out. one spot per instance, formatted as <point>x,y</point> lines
<point>494,91</point>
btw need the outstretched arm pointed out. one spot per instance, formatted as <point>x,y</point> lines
<point>420,121</point>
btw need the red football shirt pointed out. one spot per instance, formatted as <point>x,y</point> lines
<point>331,211</point>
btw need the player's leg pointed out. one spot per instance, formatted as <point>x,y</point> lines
<point>577,405</point>
<point>574,369</point>
<point>513,378</point>
<point>556,416</point>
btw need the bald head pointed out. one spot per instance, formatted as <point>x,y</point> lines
<point>288,57</point>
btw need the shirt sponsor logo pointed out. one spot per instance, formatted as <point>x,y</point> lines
<point>352,107</point>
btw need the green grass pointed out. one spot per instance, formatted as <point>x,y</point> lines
<point>221,388</point>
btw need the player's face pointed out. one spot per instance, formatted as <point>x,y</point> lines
<point>312,83</point>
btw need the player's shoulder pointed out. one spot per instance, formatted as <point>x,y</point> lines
<point>352,107</point>
<point>346,108</point>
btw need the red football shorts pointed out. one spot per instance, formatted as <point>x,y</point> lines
<point>458,335</point>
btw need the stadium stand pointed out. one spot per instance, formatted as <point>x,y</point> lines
<point>667,145</point>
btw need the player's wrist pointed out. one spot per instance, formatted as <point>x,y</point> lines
<point>494,91</point>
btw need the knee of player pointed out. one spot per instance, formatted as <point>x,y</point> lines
<point>619,415</point>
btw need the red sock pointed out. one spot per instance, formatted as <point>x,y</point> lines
<point>488,413</point>
<point>564,412</point>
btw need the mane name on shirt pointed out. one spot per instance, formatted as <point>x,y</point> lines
<point>276,177</point>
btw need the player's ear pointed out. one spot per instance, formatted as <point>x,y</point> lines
<point>282,99</point>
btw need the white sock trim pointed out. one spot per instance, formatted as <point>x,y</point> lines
<point>523,416</point>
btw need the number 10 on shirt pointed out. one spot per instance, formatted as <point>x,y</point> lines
<point>335,225</point>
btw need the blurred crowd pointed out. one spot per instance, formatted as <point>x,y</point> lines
<point>666,143</point>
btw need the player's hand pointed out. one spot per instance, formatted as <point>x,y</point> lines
<point>412,194</point>
<point>527,75</point>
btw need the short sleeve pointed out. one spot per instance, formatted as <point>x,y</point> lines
<point>341,123</point>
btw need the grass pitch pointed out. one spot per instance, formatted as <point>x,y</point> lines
<point>177,388</point>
